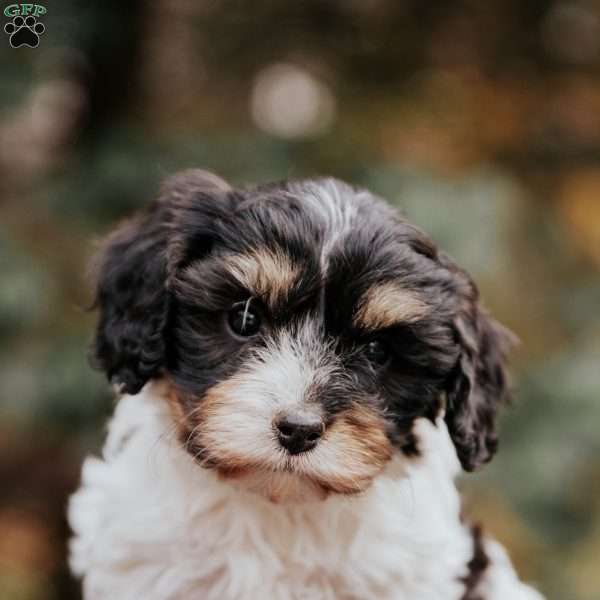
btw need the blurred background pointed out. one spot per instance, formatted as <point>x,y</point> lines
<point>481,120</point>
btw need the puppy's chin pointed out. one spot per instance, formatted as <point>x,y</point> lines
<point>291,482</point>
<point>277,487</point>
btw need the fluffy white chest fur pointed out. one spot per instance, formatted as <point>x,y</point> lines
<point>150,523</point>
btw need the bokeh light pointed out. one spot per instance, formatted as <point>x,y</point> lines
<point>289,102</point>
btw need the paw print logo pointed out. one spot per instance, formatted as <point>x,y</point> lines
<point>24,31</point>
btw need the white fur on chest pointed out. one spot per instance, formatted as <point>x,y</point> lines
<point>150,523</point>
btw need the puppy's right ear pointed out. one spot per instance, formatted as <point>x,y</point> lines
<point>132,271</point>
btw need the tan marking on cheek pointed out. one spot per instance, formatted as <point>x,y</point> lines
<point>214,408</point>
<point>268,274</point>
<point>213,432</point>
<point>175,404</point>
<point>191,423</point>
<point>386,304</point>
<point>357,451</point>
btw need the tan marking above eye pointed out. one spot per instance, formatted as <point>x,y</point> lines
<point>266,273</point>
<point>386,304</point>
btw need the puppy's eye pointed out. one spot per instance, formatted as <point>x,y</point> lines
<point>243,320</point>
<point>377,352</point>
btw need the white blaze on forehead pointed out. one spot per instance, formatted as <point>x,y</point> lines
<point>388,303</point>
<point>330,200</point>
<point>289,365</point>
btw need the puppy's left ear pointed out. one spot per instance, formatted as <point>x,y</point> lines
<point>479,384</point>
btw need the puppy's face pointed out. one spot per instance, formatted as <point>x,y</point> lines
<point>302,328</point>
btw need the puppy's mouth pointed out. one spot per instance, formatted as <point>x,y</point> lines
<point>350,454</point>
<point>289,480</point>
<point>288,476</point>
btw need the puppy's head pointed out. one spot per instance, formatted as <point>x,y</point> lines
<point>302,328</point>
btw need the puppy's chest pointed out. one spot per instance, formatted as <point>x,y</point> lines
<point>265,551</point>
<point>249,551</point>
<point>147,542</point>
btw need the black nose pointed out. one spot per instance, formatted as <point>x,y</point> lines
<point>299,434</point>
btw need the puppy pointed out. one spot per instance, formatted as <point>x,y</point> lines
<point>302,375</point>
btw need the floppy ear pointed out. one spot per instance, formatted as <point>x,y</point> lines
<point>479,383</point>
<point>132,272</point>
